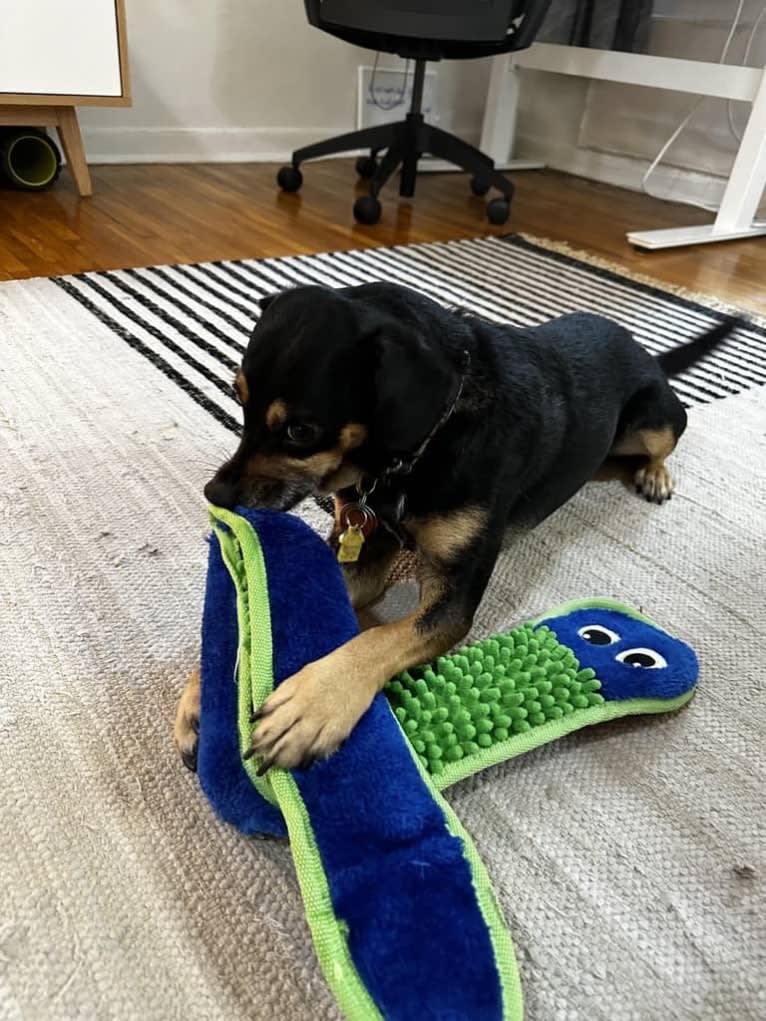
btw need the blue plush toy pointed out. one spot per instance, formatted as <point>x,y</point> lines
<point>403,917</point>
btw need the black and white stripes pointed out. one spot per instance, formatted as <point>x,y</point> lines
<point>192,322</point>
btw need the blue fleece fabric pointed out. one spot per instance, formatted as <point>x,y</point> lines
<point>397,878</point>
<point>675,668</point>
<point>219,766</point>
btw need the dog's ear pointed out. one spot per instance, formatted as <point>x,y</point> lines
<point>413,383</point>
<point>267,300</point>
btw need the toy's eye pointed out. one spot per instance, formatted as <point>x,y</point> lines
<point>597,634</point>
<point>302,434</point>
<point>646,658</point>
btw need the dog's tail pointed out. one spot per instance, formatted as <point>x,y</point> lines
<point>679,359</point>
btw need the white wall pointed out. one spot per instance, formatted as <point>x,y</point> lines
<point>251,80</point>
<point>611,132</point>
<point>246,80</point>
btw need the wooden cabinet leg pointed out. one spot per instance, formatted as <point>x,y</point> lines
<point>71,141</point>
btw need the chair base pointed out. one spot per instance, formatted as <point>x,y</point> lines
<point>403,143</point>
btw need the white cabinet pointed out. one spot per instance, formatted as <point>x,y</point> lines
<point>55,48</point>
<point>58,54</point>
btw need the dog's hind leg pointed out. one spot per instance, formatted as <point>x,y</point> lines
<point>652,480</point>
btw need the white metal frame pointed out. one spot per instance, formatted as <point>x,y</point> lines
<point>747,180</point>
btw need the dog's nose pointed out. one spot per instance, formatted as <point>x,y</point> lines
<point>221,492</point>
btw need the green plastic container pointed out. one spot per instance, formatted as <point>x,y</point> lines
<point>29,159</point>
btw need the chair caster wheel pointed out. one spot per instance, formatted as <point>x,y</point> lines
<point>290,179</point>
<point>366,166</point>
<point>367,209</point>
<point>498,211</point>
<point>478,185</point>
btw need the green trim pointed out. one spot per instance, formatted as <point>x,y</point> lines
<point>594,603</point>
<point>500,938</point>
<point>327,930</point>
<point>519,744</point>
<point>243,556</point>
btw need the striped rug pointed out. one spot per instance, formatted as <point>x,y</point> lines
<point>193,322</point>
<point>628,862</point>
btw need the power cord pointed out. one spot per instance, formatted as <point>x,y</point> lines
<point>698,102</point>
<point>745,58</point>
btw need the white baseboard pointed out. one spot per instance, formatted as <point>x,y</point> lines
<point>207,145</point>
<point>667,182</point>
<point>196,145</point>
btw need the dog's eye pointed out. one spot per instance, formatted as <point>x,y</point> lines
<point>302,434</point>
<point>597,634</point>
<point>646,658</point>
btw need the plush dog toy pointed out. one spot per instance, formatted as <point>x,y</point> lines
<point>403,917</point>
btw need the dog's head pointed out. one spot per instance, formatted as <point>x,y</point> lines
<point>331,385</point>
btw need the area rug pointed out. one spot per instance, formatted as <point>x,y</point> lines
<point>630,862</point>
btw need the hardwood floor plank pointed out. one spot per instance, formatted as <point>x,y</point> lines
<point>153,214</point>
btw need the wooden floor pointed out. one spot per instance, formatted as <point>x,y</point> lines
<point>143,215</point>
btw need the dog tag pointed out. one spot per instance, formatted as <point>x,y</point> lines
<point>350,545</point>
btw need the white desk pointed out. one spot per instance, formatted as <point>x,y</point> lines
<point>747,181</point>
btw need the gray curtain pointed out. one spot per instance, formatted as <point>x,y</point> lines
<point>602,24</point>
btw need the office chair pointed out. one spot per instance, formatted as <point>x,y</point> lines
<point>419,30</point>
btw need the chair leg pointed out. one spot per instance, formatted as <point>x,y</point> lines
<point>379,137</point>
<point>445,146</point>
<point>386,168</point>
<point>414,136</point>
<point>409,174</point>
<point>367,207</point>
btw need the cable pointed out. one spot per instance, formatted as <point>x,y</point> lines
<point>745,58</point>
<point>402,92</point>
<point>658,158</point>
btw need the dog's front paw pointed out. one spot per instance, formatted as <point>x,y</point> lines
<point>186,727</point>
<point>308,715</point>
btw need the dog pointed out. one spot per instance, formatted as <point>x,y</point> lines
<point>433,429</point>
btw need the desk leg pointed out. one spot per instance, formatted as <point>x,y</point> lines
<point>71,142</point>
<point>747,180</point>
<point>499,123</point>
<point>744,190</point>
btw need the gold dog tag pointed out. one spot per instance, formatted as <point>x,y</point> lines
<point>350,545</point>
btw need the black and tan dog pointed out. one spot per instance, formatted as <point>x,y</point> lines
<point>448,429</point>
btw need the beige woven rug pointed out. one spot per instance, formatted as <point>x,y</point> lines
<point>629,861</point>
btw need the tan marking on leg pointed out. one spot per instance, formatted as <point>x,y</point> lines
<point>311,713</point>
<point>652,480</point>
<point>186,727</point>
<point>240,385</point>
<point>443,536</point>
<point>276,415</point>
<point>656,444</point>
